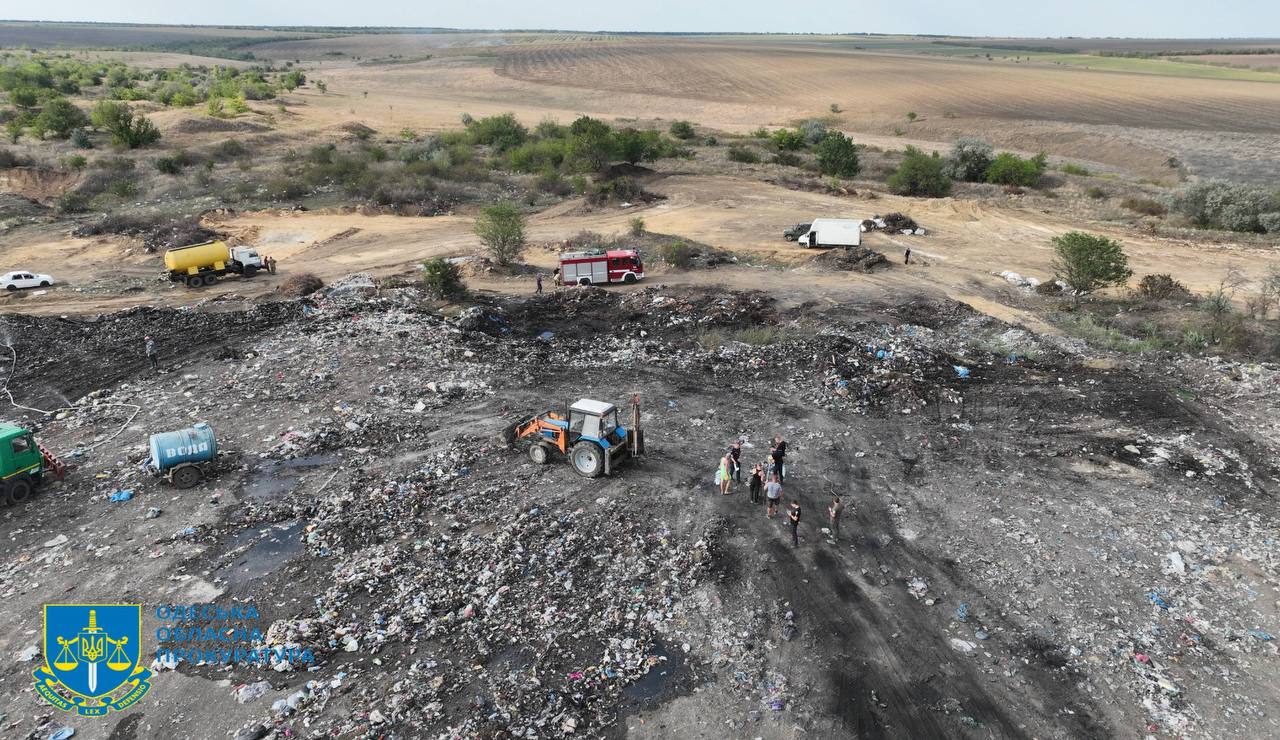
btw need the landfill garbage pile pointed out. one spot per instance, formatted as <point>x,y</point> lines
<point>1035,543</point>
<point>894,223</point>
<point>860,259</point>
<point>520,619</point>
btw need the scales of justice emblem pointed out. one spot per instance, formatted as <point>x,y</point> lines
<point>96,654</point>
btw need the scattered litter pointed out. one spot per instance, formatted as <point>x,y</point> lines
<point>124,495</point>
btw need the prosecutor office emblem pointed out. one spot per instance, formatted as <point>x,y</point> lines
<point>91,658</point>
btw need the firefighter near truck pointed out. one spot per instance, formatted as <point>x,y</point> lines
<point>600,267</point>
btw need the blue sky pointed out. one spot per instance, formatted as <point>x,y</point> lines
<point>1144,18</point>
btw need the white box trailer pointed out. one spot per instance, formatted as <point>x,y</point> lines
<point>833,232</point>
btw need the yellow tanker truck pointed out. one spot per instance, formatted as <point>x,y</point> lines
<point>204,263</point>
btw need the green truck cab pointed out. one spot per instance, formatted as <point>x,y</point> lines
<point>23,464</point>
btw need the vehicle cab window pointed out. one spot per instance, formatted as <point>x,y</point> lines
<point>20,445</point>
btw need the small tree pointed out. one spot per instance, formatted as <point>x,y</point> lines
<point>911,117</point>
<point>835,107</point>
<point>969,160</point>
<point>501,230</point>
<point>920,174</point>
<point>442,279</point>
<point>837,155</point>
<point>60,117</point>
<point>322,86</point>
<point>591,143</point>
<point>126,129</point>
<point>13,128</point>
<point>24,97</point>
<point>636,225</point>
<point>1087,262</point>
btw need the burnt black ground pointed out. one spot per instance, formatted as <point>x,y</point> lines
<point>1040,439</point>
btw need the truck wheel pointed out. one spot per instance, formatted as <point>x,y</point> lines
<point>588,459</point>
<point>194,281</point>
<point>44,283</point>
<point>584,281</point>
<point>19,491</point>
<point>539,454</point>
<point>250,271</point>
<point>629,278</point>
<point>210,279</point>
<point>187,476</point>
<point>10,286</point>
<point>789,237</point>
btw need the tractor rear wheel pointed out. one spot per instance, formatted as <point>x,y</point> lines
<point>539,454</point>
<point>19,491</point>
<point>186,476</point>
<point>588,459</point>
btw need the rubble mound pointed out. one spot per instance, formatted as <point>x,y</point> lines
<point>301,284</point>
<point>894,223</point>
<point>860,258</point>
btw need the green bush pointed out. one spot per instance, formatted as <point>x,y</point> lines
<point>677,254</point>
<point>788,140</point>
<point>1223,205</point>
<point>123,188</point>
<point>1075,169</point>
<point>739,153</point>
<point>920,174</point>
<point>814,131</point>
<point>969,160</point>
<point>80,139</point>
<point>75,162</point>
<point>1010,169</point>
<point>501,230</point>
<point>682,130</point>
<point>1087,262</point>
<point>535,156</point>
<point>623,189</point>
<point>442,279</point>
<point>126,128</point>
<point>501,132</point>
<point>1162,287</point>
<point>592,144</point>
<point>60,117</point>
<point>636,226</point>
<point>1096,192</point>
<point>837,155</point>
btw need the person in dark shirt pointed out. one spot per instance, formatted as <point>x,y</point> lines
<point>779,454</point>
<point>736,453</point>
<point>757,482</point>
<point>794,518</point>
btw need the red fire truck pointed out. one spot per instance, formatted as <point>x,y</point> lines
<point>591,268</point>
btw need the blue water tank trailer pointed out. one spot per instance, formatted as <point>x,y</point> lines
<point>179,455</point>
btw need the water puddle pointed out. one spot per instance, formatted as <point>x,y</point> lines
<point>277,479</point>
<point>272,546</point>
<point>660,682</point>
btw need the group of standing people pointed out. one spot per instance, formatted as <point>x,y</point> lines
<point>767,478</point>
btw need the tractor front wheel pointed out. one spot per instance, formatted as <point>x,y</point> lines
<point>19,491</point>
<point>538,454</point>
<point>588,459</point>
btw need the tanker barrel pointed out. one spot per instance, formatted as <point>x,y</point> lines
<point>195,444</point>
